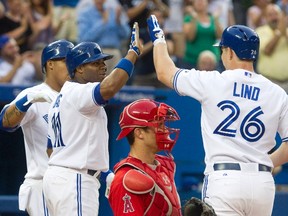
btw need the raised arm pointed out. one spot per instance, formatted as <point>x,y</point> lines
<point>124,69</point>
<point>164,65</point>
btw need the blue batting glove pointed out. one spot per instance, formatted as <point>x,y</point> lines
<point>156,33</point>
<point>134,43</point>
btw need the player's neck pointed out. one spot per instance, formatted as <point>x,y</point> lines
<point>53,85</point>
<point>245,65</point>
<point>147,157</point>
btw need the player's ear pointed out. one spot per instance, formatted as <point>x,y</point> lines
<point>49,64</point>
<point>231,53</point>
<point>138,132</point>
<point>79,69</point>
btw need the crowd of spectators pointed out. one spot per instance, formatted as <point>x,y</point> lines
<point>191,28</point>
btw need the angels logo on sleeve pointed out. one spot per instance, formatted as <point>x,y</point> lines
<point>128,207</point>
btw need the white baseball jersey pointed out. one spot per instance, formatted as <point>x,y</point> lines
<point>77,129</point>
<point>241,114</point>
<point>34,126</point>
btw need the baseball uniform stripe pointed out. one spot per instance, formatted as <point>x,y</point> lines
<point>175,80</point>
<point>79,198</point>
<point>44,206</point>
<point>205,184</point>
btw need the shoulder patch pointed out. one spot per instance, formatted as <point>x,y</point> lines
<point>137,182</point>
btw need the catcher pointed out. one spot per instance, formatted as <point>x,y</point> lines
<point>144,181</point>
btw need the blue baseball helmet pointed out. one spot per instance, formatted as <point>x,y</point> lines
<point>55,50</point>
<point>243,40</point>
<point>84,53</point>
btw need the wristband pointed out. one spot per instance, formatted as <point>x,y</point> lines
<point>159,40</point>
<point>20,104</point>
<point>126,65</point>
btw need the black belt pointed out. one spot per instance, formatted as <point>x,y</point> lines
<point>93,172</point>
<point>236,166</point>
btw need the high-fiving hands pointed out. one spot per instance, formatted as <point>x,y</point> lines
<point>156,33</point>
<point>135,44</point>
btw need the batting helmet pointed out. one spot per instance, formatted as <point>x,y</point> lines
<point>83,53</point>
<point>55,50</point>
<point>243,40</point>
<point>149,113</point>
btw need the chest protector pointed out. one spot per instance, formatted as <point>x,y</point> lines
<point>164,196</point>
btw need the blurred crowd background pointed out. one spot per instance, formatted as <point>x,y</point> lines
<point>191,28</point>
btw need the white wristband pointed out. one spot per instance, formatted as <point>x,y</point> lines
<point>160,40</point>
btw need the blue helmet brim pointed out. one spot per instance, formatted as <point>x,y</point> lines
<point>98,57</point>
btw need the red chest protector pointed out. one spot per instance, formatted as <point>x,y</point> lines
<point>164,196</point>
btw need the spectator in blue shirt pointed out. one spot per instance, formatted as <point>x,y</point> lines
<point>105,26</point>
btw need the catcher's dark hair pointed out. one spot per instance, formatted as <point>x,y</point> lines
<point>131,138</point>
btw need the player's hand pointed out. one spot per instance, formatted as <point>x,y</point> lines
<point>135,44</point>
<point>156,33</point>
<point>33,97</point>
<point>109,180</point>
<point>107,177</point>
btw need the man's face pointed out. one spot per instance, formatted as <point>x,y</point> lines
<point>15,6</point>
<point>149,136</point>
<point>94,71</point>
<point>207,63</point>
<point>272,16</point>
<point>60,71</point>
<point>10,50</point>
<point>99,3</point>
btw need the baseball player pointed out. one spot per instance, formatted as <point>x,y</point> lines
<point>77,128</point>
<point>144,181</point>
<point>25,112</point>
<point>241,113</point>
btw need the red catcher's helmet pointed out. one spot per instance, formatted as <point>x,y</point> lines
<point>149,113</point>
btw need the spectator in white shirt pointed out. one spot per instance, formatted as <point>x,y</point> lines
<point>15,68</point>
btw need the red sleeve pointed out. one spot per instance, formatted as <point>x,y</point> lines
<point>122,201</point>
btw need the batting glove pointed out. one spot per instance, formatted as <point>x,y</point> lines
<point>24,103</point>
<point>135,42</point>
<point>156,33</point>
<point>33,97</point>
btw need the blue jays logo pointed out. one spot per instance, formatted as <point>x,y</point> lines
<point>45,117</point>
<point>248,74</point>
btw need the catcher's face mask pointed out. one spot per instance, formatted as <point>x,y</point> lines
<point>149,113</point>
